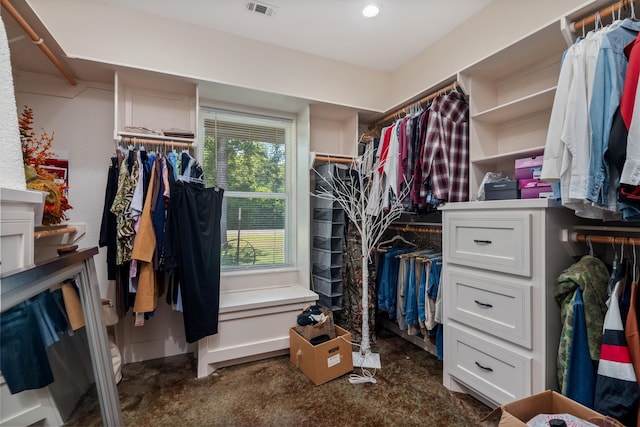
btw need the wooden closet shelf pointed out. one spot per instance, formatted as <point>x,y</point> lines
<point>39,234</point>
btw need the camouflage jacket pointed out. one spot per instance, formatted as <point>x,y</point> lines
<point>592,276</point>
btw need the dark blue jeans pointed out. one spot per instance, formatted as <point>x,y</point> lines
<point>23,356</point>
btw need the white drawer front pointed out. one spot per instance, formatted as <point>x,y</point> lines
<point>493,371</point>
<point>494,306</point>
<point>499,242</point>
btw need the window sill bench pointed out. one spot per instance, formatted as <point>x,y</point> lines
<point>253,324</point>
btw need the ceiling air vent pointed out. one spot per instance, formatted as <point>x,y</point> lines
<point>261,8</point>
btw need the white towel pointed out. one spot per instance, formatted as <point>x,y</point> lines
<point>12,169</point>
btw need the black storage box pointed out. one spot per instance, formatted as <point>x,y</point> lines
<point>501,190</point>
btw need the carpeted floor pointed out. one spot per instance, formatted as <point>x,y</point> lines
<point>273,392</point>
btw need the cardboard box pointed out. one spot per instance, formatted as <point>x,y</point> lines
<point>501,190</point>
<point>528,167</point>
<point>535,189</point>
<point>323,362</point>
<point>517,413</point>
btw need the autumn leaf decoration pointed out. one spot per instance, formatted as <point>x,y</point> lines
<point>35,152</point>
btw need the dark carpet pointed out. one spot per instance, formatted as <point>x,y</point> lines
<point>273,392</point>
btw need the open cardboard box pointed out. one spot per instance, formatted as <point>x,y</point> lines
<point>517,413</point>
<point>322,362</point>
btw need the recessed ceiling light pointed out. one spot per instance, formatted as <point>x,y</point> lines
<point>370,10</point>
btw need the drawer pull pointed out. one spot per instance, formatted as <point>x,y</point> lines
<point>482,242</point>
<point>483,304</point>
<point>484,368</point>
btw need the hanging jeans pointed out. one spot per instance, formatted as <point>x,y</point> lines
<point>411,300</point>
<point>387,288</point>
<point>194,244</point>
<point>422,316</point>
<point>402,277</point>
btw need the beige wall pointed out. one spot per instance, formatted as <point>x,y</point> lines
<point>492,29</point>
<point>83,126</point>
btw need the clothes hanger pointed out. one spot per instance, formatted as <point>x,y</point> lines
<point>396,238</point>
<point>590,245</point>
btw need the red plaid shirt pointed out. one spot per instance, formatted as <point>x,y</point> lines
<point>444,155</point>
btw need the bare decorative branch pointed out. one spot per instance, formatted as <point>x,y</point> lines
<point>362,196</point>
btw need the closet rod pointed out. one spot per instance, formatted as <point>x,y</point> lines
<point>606,239</point>
<point>37,40</point>
<point>391,116</point>
<point>607,11</point>
<point>416,229</point>
<point>334,159</point>
<point>166,143</point>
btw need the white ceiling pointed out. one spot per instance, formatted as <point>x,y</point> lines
<point>332,29</point>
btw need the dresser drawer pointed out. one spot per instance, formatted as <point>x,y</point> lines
<point>490,369</point>
<point>495,241</point>
<point>495,306</point>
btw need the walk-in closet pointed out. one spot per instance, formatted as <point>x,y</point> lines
<point>340,213</point>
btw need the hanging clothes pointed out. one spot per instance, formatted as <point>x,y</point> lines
<point>403,274</point>
<point>568,145</point>
<point>625,135</point>
<point>591,275</point>
<point>122,209</point>
<point>194,250</point>
<point>586,142</point>
<point>608,82</point>
<point>632,334</point>
<point>408,282</point>
<point>419,290</point>
<point>616,392</point>
<point>160,201</point>
<point>445,156</point>
<point>387,279</point>
<point>432,290</point>
<point>428,152</point>
<point>143,250</point>
<point>581,375</point>
<point>108,222</point>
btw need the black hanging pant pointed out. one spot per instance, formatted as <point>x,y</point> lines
<point>193,247</point>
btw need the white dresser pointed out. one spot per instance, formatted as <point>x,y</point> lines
<point>501,321</point>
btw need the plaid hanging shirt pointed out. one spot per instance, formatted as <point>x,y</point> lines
<point>445,150</point>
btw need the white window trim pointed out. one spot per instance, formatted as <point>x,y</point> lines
<point>241,280</point>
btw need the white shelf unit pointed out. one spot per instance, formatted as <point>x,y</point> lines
<point>155,102</point>
<point>333,130</point>
<point>511,94</point>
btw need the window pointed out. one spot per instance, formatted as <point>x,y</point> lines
<point>248,156</point>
